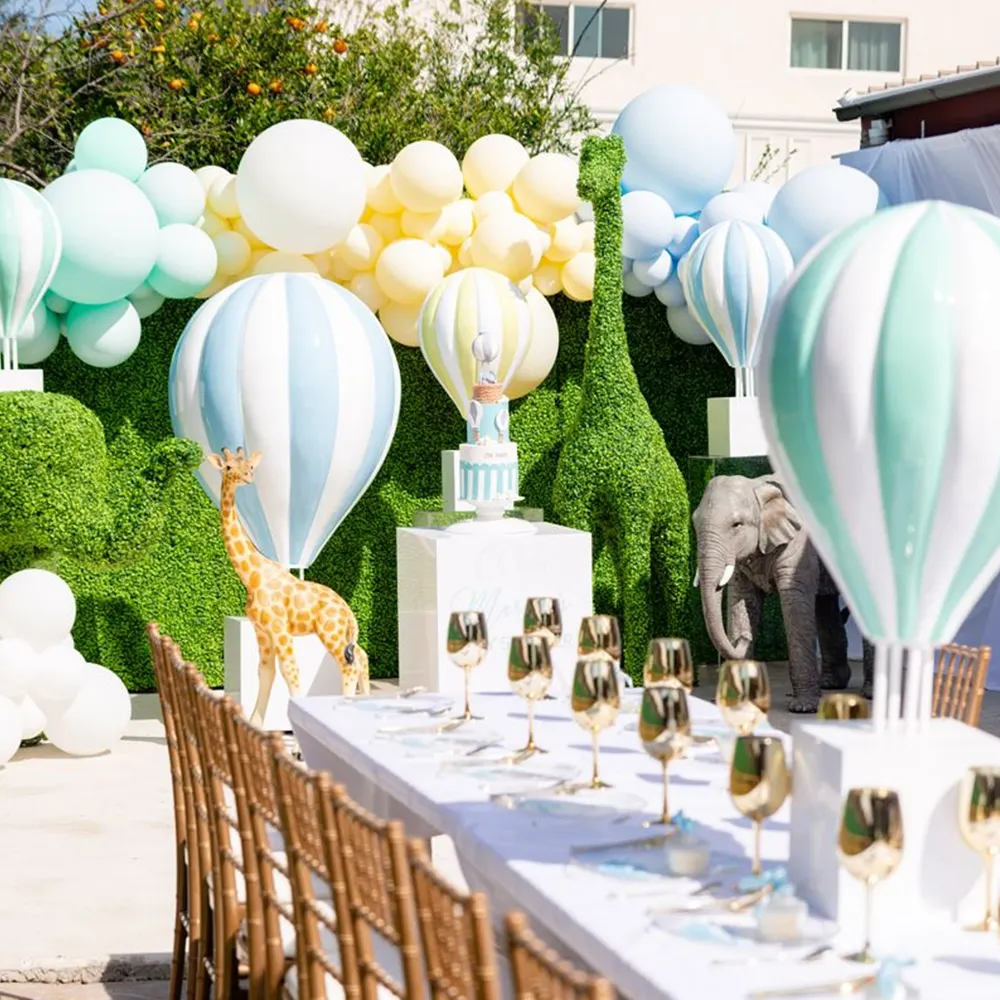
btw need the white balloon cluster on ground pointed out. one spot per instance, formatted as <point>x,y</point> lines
<point>681,151</point>
<point>45,684</point>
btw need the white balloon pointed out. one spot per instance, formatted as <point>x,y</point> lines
<point>32,719</point>
<point>686,327</point>
<point>59,674</point>
<point>301,186</point>
<point>97,718</point>
<point>38,606</point>
<point>17,660</point>
<point>10,730</point>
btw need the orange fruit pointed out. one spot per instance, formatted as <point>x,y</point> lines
<point>275,86</point>
<point>311,69</point>
<point>320,27</point>
<point>253,88</point>
<point>158,49</point>
<point>329,114</point>
<point>296,23</point>
<point>340,46</point>
<point>159,4</point>
<point>118,56</point>
<point>176,84</point>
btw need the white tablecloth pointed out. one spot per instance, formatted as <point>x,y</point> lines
<point>522,859</point>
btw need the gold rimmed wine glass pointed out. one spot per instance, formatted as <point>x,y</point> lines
<point>468,645</point>
<point>595,702</point>
<point>759,782</point>
<point>529,670</point>
<point>870,846</point>
<point>669,661</point>
<point>664,729</point>
<point>841,706</point>
<point>600,634</point>
<point>543,615</point>
<point>979,820</point>
<point>743,695</point>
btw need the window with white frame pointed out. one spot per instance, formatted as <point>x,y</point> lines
<point>867,46</point>
<point>589,31</point>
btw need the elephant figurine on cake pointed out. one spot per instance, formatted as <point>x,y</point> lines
<point>750,538</point>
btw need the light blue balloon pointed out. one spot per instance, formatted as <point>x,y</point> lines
<point>648,223</point>
<point>671,292</point>
<point>819,201</point>
<point>634,287</point>
<point>56,303</point>
<point>730,206</point>
<point>38,337</point>
<point>654,272</point>
<point>109,234</point>
<point>185,262</point>
<point>111,144</point>
<point>760,191</point>
<point>146,301</point>
<point>685,233</point>
<point>103,336</point>
<point>175,193</point>
<point>70,167</point>
<point>680,144</point>
<point>686,327</point>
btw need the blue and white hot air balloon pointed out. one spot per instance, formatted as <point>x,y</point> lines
<point>730,277</point>
<point>878,397</point>
<point>300,370</point>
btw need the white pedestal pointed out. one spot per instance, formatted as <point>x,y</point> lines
<point>22,380</point>
<point>440,572</point>
<point>734,428</point>
<point>318,671</point>
<point>940,879</point>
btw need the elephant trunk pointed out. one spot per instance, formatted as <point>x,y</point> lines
<point>713,574</point>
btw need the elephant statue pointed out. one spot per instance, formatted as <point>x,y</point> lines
<point>750,538</point>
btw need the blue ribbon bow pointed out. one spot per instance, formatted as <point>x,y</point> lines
<point>776,878</point>
<point>889,983</point>
<point>681,823</point>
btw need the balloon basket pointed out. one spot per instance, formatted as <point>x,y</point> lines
<point>734,428</point>
<point>21,380</point>
<point>490,520</point>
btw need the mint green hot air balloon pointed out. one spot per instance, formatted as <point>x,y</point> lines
<point>30,244</point>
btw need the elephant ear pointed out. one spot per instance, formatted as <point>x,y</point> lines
<point>779,521</point>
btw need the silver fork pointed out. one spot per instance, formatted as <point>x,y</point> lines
<point>757,959</point>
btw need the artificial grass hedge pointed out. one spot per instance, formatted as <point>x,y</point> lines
<point>186,583</point>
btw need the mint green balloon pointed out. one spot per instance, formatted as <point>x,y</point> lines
<point>103,336</point>
<point>146,301</point>
<point>57,304</point>
<point>111,144</point>
<point>174,192</point>
<point>185,262</point>
<point>39,337</point>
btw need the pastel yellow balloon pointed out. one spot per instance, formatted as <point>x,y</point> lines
<point>233,252</point>
<point>577,277</point>
<point>276,261</point>
<point>215,285</point>
<point>366,288</point>
<point>457,222</point>
<point>587,234</point>
<point>542,351</point>
<point>209,175</point>
<point>213,224</point>
<point>323,263</point>
<point>567,240</point>
<point>387,226</point>
<point>256,243</point>
<point>380,196</point>
<point>526,285</point>
<point>491,203</point>
<point>425,176</point>
<point>543,239</point>
<point>545,187</point>
<point>255,258</point>
<point>547,278</point>
<point>340,270</point>
<point>421,225</point>
<point>222,197</point>
<point>508,244</point>
<point>400,322</point>
<point>491,163</point>
<point>361,248</point>
<point>465,253</point>
<point>407,270</point>
<point>446,258</point>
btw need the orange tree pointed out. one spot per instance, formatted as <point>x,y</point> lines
<point>202,81</point>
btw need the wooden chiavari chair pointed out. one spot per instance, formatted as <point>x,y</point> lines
<point>959,682</point>
<point>539,972</point>
<point>380,899</point>
<point>459,952</point>
<point>325,952</point>
<point>178,777</point>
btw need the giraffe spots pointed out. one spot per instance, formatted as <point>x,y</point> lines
<point>253,581</point>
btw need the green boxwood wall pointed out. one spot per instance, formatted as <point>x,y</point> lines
<point>187,584</point>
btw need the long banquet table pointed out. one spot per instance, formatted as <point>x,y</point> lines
<point>523,859</point>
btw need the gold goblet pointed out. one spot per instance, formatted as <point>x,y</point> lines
<point>542,615</point>
<point>664,729</point>
<point>594,702</point>
<point>467,647</point>
<point>759,782</point>
<point>743,694</point>
<point>979,819</point>
<point>529,670</point>
<point>600,634</point>
<point>669,660</point>
<point>870,846</point>
<point>840,705</point>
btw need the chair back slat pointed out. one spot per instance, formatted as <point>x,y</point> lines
<point>459,950</point>
<point>541,974</point>
<point>171,727</point>
<point>959,682</point>
<point>380,897</point>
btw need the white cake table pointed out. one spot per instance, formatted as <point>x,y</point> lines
<point>439,572</point>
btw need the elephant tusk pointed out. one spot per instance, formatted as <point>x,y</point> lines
<point>694,583</point>
<point>727,575</point>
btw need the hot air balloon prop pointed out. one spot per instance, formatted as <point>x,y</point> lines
<point>298,369</point>
<point>878,399</point>
<point>30,246</point>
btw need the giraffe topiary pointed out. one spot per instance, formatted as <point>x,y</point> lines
<point>615,474</point>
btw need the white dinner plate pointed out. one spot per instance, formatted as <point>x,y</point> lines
<point>417,704</point>
<point>647,862</point>
<point>501,775</point>
<point>586,803</point>
<point>428,740</point>
<point>739,930</point>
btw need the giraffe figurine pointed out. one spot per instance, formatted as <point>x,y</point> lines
<point>279,605</point>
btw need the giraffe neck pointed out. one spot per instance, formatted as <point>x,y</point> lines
<point>235,534</point>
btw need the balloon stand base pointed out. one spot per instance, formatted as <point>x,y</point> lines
<point>490,520</point>
<point>926,769</point>
<point>734,428</point>
<point>21,380</point>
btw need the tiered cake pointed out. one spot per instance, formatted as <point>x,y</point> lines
<point>488,460</point>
